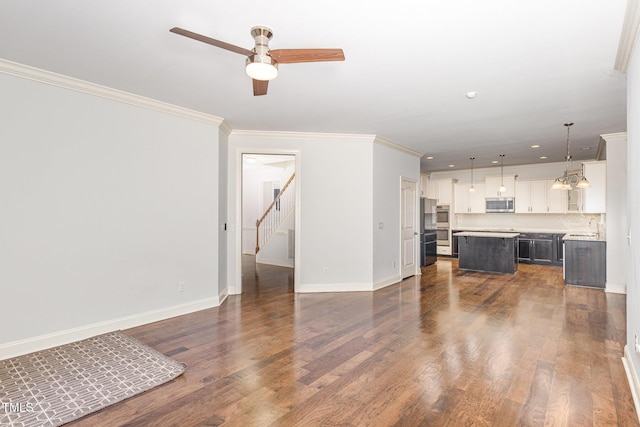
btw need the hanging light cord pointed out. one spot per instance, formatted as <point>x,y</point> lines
<point>568,167</point>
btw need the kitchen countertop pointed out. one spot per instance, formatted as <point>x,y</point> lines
<point>513,230</point>
<point>592,237</point>
<point>486,234</point>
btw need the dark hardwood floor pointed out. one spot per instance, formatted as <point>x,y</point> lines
<point>448,348</point>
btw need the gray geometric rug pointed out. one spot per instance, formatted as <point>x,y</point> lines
<point>54,386</point>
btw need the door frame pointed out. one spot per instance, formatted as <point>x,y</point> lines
<point>235,285</point>
<point>416,239</point>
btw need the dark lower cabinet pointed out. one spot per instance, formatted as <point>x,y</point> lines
<point>558,249</point>
<point>533,248</point>
<point>585,263</point>
<point>536,248</point>
<point>454,243</point>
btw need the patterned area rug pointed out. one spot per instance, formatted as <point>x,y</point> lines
<point>61,384</point>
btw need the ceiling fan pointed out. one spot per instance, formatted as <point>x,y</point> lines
<point>262,63</point>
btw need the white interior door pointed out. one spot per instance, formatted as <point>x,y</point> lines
<point>408,220</point>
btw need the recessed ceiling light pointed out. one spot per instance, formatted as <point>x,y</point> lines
<point>430,158</point>
<point>543,157</point>
<point>452,166</point>
<point>471,94</point>
<point>495,162</point>
<point>535,146</point>
<point>585,148</point>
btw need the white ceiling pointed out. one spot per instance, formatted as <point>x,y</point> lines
<point>534,64</point>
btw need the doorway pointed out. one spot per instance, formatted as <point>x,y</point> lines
<point>268,202</point>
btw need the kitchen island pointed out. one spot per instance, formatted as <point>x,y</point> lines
<point>493,252</point>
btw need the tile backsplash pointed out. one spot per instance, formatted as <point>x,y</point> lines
<point>531,222</point>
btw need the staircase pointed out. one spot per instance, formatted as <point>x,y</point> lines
<point>281,207</point>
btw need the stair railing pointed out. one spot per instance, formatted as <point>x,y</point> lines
<point>273,216</point>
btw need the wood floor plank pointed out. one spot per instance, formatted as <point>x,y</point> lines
<point>447,348</point>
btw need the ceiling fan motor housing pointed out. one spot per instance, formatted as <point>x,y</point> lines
<point>261,59</point>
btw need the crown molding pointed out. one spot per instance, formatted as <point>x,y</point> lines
<point>629,35</point>
<point>388,143</point>
<point>59,80</point>
<point>226,127</point>
<point>613,137</point>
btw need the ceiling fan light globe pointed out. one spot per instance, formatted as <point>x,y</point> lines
<point>261,71</point>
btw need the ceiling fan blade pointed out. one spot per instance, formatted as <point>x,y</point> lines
<point>291,56</point>
<point>260,87</point>
<point>214,42</point>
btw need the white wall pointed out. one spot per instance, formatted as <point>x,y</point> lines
<point>106,208</point>
<point>333,217</point>
<point>389,165</point>
<point>633,200</point>
<point>617,248</point>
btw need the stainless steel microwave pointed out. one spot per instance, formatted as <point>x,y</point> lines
<point>500,204</point>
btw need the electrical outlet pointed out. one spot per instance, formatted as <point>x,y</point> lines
<point>393,263</point>
<point>325,271</point>
<point>181,286</point>
<point>637,345</point>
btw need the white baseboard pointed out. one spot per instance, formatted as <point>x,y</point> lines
<point>632,379</point>
<point>386,282</point>
<point>278,262</point>
<point>334,287</point>
<point>29,345</point>
<point>615,288</point>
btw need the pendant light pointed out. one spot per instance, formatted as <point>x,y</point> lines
<point>472,188</point>
<point>502,188</point>
<point>564,182</point>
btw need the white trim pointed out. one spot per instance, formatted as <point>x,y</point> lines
<point>388,143</point>
<point>628,36</point>
<point>615,288</point>
<point>614,137</point>
<point>276,262</point>
<point>632,379</point>
<point>29,345</point>
<point>54,79</point>
<point>386,282</point>
<point>226,127</point>
<point>334,287</point>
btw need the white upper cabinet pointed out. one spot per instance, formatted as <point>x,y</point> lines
<point>424,184</point>
<point>467,201</point>
<point>536,196</point>
<point>594,199</point>
<point>493,185</point>
<point>556,199</point>
<point>523,196</point>
<point>441,190</point>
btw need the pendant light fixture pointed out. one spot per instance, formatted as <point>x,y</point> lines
<point>502,188</point>
<point>569,177</point>
<point>472,188</point>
